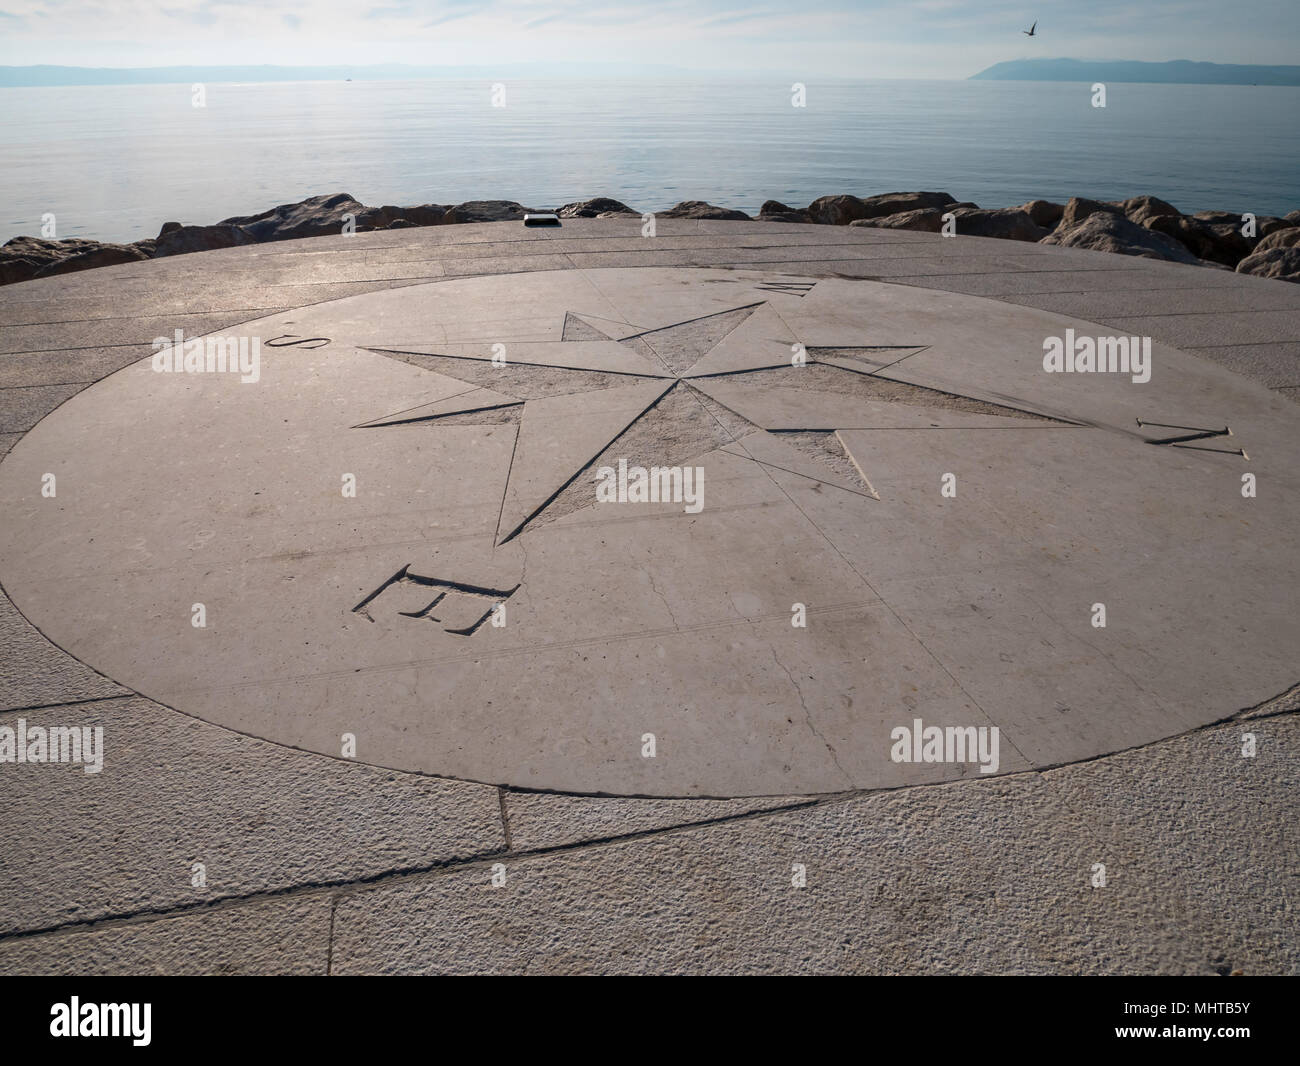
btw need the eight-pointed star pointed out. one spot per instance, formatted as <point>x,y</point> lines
<point>656,397</point>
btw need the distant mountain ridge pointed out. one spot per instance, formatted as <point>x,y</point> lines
<point>47,74</point>
<point>1176,71</point>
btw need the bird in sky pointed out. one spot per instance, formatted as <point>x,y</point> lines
<point>1030,32</point>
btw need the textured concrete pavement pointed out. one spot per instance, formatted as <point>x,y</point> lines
<point>312,864</point>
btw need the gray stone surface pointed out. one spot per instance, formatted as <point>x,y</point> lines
<point>288,936</point>
<point>976,876</point>
<point>544,820</point>
<point>655,598</point>
<point>23,406</point>
<point>34,673</point>
<point>67,366</point>
<point>175,791</point>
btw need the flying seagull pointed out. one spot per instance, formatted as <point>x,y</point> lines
<point>1030,32</point>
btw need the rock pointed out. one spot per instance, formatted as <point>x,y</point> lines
<point>188,239</point>
<point>425,214</point>
<point>167,227</point>
<point>699,209</point>
<point>1280,263</point>
<point>1293,217</point>
<point>842,210</point>
<point>1107,231</point>
<point>1078,208</point>
<point>1043,212</point>
<point>1141,209</point>
<point>487,211</point>
<point>101,256</point>
<point>317,216</point>
<point>600,207</point>
<point>1217,243</point>
<point>926,219</point>
<point>1218,218</point>
<point>1265,225</point>
<point>1008,223</point>
<point>23,257</point>
<point>1287,238</point>
<point>775,211</point>
<point>388,217</point>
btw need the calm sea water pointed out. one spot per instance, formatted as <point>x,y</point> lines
<point>114,162</point>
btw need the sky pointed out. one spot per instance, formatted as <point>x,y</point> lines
<point>803,39</point>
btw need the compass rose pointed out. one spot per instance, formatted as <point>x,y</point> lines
<point>661,396</point>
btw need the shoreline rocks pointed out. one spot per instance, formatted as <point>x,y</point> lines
<point>1141,225</point>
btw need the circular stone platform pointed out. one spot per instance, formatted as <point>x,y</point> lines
<point>472,610</point>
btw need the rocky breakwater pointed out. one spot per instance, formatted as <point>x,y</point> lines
<point>1143,225</point>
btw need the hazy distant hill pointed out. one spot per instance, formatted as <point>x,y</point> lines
<point>1180,71</point>
<point>55,75</point>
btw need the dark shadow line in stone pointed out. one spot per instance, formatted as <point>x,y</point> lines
<point>551,498</point>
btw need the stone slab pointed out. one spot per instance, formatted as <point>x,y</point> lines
<point>288,937</point>
<point>174,791</point>
<point>34,673</point>
<point>897,883</point>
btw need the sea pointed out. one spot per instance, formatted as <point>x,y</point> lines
<point>115,162</point>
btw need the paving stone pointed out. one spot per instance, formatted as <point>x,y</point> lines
<point>57,336</point>
<point>22,408</point>
<point>899,883</point>
<point>1094,279</point>
<point>70,366</point>
<point>1102,306</point>
<point>540,820</point>
<point>289,936</point>
<point>175,791</point>
<point>1274,365</point>
<point>1203,331</point>
<point>34,673</point>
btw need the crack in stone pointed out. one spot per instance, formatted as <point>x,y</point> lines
<point>807,714</point>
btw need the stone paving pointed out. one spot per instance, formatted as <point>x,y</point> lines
<point>814,854</point>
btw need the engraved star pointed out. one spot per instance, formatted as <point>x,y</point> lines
<point>659,397</point>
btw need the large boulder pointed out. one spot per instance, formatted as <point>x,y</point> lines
<point>186,239</point>
<point>1293,217</point>
<point>101,256</point>
<point>1008,223</point>
<point>389,217</point>
<point>1143,209</point>
<point>775,211</point>
<point>699,209</point>
<point>1043,212</point>
<point>1206,240</point>
<point>1104,231</point>
<point>317,216</point>
<point>1265,225</point>
<point>1218,218</point>
<point>22,257</point>
<point>1078,208</point>
<point>843,210</point>
<point>926,219</point>
<point>1287,238</point>
<point>1280,263</point>
<point>487,211</point>
<point>600,206</point>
